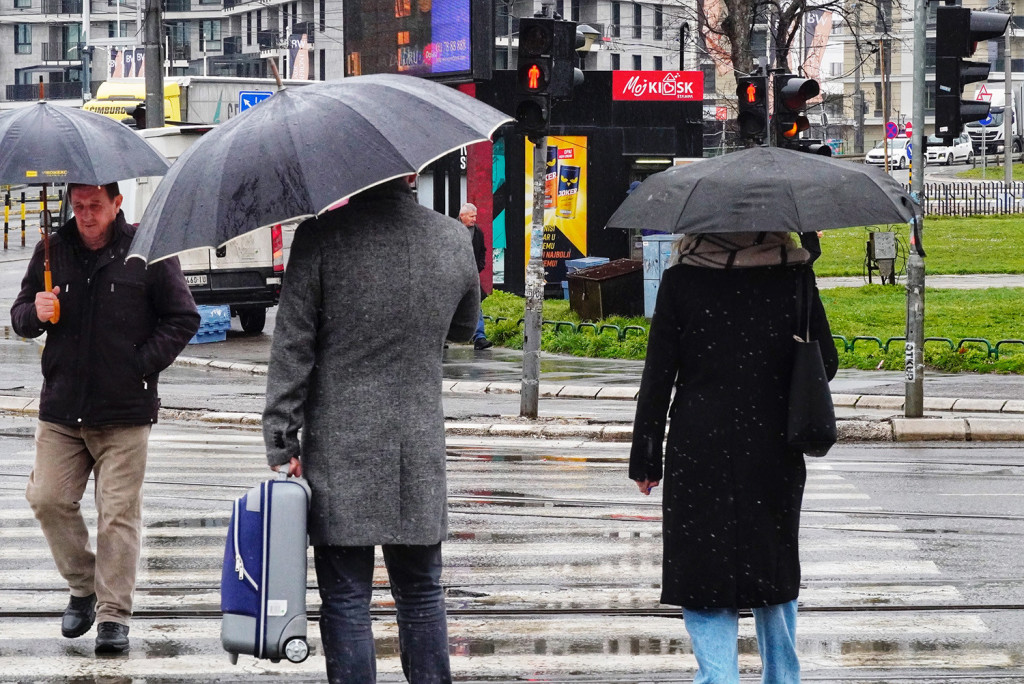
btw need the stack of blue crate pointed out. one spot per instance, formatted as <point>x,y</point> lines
<point>573,265</point>
<point>214,323</point>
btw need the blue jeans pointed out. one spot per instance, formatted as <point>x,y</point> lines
<point>345,576</point>
<point>714,633</point>
<point>479,334</point>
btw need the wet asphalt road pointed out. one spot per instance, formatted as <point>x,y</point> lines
<point>911,563</point>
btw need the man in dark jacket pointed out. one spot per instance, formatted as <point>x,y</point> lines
<point>119,324</point>
<point>468,217</point>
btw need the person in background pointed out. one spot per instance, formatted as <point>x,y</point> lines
<point>365,394</point>
<point>468,217</point>
<point>722,338</point>
<point>121,322</point>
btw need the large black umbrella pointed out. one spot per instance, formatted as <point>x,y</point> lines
<point>45,143</point>
<point>764,189</point>
<point>301,152</point>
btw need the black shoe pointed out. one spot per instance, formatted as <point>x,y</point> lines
<point>111,637</point>
<point>78,616</point>
<point>482,343</point>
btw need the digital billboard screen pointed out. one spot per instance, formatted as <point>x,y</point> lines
<point>429,38</point>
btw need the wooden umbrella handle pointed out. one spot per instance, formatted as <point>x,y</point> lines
<point>48,282</point>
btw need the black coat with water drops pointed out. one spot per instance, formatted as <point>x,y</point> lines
<point>732,488</point>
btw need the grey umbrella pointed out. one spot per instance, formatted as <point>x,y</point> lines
<point>301,152</point>
<point>764,189</point>
<point>45,143</point>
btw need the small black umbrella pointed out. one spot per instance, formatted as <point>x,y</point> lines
<point>45,143</point>
<point>764,189</point>
<point>301,152</point>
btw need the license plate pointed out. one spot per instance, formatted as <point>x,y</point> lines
<point>194,280</point>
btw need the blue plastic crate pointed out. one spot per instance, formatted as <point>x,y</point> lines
<point>204,336</point>
<point>214,318</point>
<point>573,265</point>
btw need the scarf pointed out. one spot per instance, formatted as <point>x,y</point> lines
<point>738,250</point>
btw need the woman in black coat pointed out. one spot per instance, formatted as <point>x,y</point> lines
<point>722,336</point>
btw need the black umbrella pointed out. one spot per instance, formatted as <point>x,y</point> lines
<point>302,151</point>
<point>764,189</point>
<point>45,143</point>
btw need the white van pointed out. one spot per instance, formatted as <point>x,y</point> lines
<point>245,274</point>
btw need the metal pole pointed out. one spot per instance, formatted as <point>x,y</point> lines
<point>85,54</point>
<point>530,390</point>
<point>1008,106</point>
<point>885,104</point>
<point>154,66</point>
<point>858,94</point>
<point>508,50</point>
<point>913,404</point>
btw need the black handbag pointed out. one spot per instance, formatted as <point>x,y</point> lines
<point>811,423</point>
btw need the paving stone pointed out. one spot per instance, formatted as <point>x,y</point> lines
<point>996,429</point>
<point>985,405</point>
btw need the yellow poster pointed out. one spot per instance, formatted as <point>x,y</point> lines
<point>565,203</point>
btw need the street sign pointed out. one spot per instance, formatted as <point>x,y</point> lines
<point>983,94</point>
<point>664,86</point>
<point>910,151</point>
<point>251,98</point>
<point>721,113</point>
<point>909,128</point>
<point>891,130</point>
<point>987,121</point>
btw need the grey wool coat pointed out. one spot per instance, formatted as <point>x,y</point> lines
<point>370,294</point>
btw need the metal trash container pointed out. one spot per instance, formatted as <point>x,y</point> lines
<point>657,255</point>
<point>612,289</point>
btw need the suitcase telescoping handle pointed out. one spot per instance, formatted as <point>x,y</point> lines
<point>284,470</point>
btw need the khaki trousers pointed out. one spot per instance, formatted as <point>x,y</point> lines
<point>65,456</point>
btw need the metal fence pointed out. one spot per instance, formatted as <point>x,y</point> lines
<point>989,198</point>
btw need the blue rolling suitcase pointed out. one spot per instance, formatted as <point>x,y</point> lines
<point>263,584</point>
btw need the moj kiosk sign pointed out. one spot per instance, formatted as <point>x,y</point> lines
<point>665,86</point>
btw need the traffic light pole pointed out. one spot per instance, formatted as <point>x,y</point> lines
<point>913,402</point>
<point>529,393</point>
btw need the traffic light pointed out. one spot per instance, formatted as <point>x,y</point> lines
<point>565,75</point>
<point>957,33</point>
<point>812,146</point>
<point>534,75</point>
<point>791,96</point>
<point>753,107</point>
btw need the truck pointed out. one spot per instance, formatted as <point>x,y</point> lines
<point>987,136</point>
<point>187,99</point>
<point>245,274</point>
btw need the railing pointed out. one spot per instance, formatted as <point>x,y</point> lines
<point>181,51</point>
<point>51,91</point>
<point>972,199</point>
<point>61,52</point>
<point>62,6</point>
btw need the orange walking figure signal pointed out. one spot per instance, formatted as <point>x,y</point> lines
<point>533,74</point>
<point>751,93</point>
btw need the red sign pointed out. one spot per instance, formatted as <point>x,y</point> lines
<point>566,153</point>
<point>910,129</point>
<point>721,113</point>
<point>662,86</point>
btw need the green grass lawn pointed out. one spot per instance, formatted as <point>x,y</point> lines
<point>953,246</point>
<point>992,172</point>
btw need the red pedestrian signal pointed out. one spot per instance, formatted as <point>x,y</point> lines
<point>534,67</point>
<point>751,93</point>
<point>753,107</point>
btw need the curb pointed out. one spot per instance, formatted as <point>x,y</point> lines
<point>882,430</point>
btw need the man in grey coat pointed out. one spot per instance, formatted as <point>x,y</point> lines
<point>372,290</point>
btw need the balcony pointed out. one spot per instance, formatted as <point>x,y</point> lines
<point>181,51</point>
<point>306,27</point>
<point>268,40</point>
<point>61,52</point>
<point>51,91</point>
<point>62,6</point>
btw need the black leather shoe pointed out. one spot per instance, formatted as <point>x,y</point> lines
<point>78,616</point>
<point>482,343</point>
<point>111,637</point>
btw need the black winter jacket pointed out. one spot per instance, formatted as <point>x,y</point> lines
<point>121,323</point>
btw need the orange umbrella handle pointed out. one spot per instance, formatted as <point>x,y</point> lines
<point>48,282</point>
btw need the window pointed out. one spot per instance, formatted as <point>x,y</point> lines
<point>883,16</point>
<point>259,20</point>
<point>709,78</point>
<point>560,8</point>
<point>637,63</point>
<point>835,69</point>
<point>117,29</point>
<point>616,19</point>
<point>209,35</point>
<point>659,20</point>
<point>657,63</point>
<point>638,19</point>
<point>574,10</point>
<point>23,39</point>
<point>22,4</point>
<point>248,28</point>
<point>615,62</point>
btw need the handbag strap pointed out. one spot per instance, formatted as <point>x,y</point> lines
<point>804,298</point>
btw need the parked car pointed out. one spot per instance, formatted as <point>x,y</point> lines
<point>899,158</point>
<point>941,153</point>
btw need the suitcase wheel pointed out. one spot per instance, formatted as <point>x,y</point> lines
<point>296,650</point>
<point>233,657</point>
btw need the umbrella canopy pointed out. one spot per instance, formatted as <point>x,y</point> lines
<point>764,189</point>
<point>302,151</point>
<point>45,143</point>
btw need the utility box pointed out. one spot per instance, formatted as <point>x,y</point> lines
<point>657,258</point>
<point>612,289</point>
